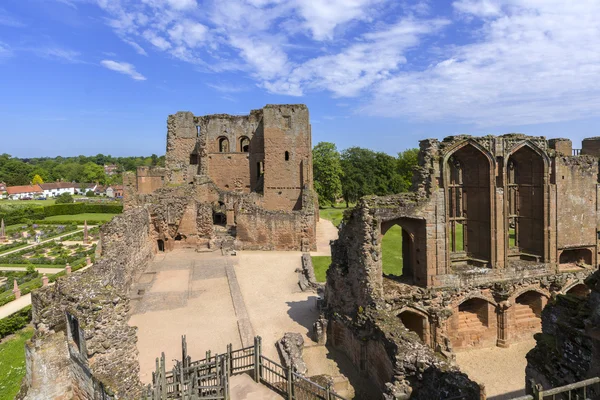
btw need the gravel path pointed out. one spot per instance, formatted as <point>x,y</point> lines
<point>502,371</point>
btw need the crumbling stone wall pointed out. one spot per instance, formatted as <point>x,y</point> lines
<point>253,170</point>
<point>82,342</point>
<point>517,216</point>
<point>568,349</point>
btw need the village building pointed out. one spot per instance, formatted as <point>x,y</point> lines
<point>114,191</point>
<point>54,189</point>
<point>24,192</point>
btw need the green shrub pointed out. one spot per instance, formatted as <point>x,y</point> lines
<point>64,198</point>
<point>89,193</point>
<point>15,322</point>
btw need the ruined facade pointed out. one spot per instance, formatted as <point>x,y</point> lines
<point>232,181</point>
<point>494,228</point>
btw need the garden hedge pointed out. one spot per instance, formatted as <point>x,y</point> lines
<point>20,213</point>
<point>15,322</point>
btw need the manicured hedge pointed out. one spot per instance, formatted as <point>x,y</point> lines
<point>15,322</point>
<point>19,214</point>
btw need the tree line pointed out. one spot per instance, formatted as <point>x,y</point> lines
<point>357,172</point>
<point>89,169</point>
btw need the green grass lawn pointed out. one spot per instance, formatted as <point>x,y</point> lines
<point>102,217</point>
<point>321,264</point>
<point>12,363</point>
<point>35,265</point>
<point>391,248</point>
<point>334,214</point>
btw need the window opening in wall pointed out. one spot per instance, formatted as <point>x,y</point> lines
<point>576,257</point>
<point>178,237</point>
<point>397,252</point>
<point>161,245</point>
<point>287,156</point>
<point>74,330</point>
<point>414,322</point>
<point>525,198</point>
<point>198,130</point>
<point>288,121</point>
<point>223,145</point>
<point>244,144</point>
<point>194,159</point>
<point>457,218</point>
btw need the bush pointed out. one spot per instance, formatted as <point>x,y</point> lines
<point>15,322</point>
<point>64,198</point>
<point>89,193</point>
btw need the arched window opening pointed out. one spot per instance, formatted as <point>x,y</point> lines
<point>287,156</point>
<point>178,237</point>
<point>414,322</point>
<point>525,198</point>
<point>244,144</point>
<point>473,315</point>
<point>194,159</point>
<point>469,206</point>
<point>576,257</point>
<point>223,145</point>
<point>580,290</point>
<point>161,245</point>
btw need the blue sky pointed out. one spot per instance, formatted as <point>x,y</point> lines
<point>101,76</point>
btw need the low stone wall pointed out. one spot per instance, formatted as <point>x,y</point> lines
<point>568,349</point>
<point>306,276</point>
<point>82,347</point>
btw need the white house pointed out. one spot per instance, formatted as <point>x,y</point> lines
<point>19,192</point>
<point>57,188</point>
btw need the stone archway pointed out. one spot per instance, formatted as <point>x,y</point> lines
<point>473,324</point>
<point>579,290</point>
<point>416,322</point>
<point>525,316</point>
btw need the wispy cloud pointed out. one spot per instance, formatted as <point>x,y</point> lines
<point>57,54</point>
<point>227,88</point>
<point>5,50</point>
<point>138,49</point>
<point>10,20</point>
<point>123,68</point>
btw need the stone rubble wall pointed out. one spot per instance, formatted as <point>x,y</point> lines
<point>568,349</point>
<point>106,361</point>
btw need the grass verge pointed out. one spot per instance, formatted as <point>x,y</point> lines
<point>80,217</point>
<point>12,363</point>
<point>321,264</point>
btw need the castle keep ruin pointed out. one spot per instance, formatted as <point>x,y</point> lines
<point>241,182</point>
<point>495,227</point>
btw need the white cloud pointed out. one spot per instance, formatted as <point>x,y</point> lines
<point>188,32</point>
<point>138,49</point>
<point>57,53</point>
<point>123,68</point>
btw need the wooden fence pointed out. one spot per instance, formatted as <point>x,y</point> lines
<point>209,378</point>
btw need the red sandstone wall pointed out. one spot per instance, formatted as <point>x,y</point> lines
<point>230,171</point>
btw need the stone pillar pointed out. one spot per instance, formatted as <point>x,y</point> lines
<point>68,269</point>
<point>88,261</point>
<point>230,218</point>
<point>44,280</point>
<point>503,325</point>
<point>85,232</point>
<point>16,291</point>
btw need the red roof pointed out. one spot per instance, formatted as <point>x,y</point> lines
<point>24,189</point>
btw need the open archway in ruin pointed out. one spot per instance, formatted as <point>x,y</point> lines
<point>579,290</point>
<point>525,204</point>
<point>161,245</point>
<point>527,313</point>
<point>415,322</point>
<point>473,324</point>
<point>402,244</point>
<point>469,206</point>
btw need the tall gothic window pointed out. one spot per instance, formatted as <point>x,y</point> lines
<point>223,145</point>
<point>244,144</point>
<point>457,216</point>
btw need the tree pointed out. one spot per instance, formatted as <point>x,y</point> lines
<point>408,160</point>
<point>94,173</point>
<point>89,193</point>
<point>37,180</point>
<point>327,171</point>
<point>64,198</point>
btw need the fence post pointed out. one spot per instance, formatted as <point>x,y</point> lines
<point>230,356</point>
<point>163,377</point>
<point>536,390</point>
<point>290,384</point>
<point>257,351</point>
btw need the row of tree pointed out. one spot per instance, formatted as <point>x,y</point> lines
<point>23,171</point>
<point>357,172</point>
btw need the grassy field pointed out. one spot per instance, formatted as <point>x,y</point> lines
<point>334,214</point>
<point>321,264</point>
<point>49,202</point>
<point>79,217</point>
<point>35,265</point>
<point>12,363</point>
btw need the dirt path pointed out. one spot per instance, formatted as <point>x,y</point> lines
<point>502,371</point>
<point>326,232</point>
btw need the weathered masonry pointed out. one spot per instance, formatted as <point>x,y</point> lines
<point>241,182</point>
<point>495,227</point>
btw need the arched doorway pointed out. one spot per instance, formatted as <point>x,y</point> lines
<point>527,314</point>
<point>397,248</point>
<point>473,324</point>
<point>469,206</point>
<point>525,202</point>
<point>415,322</point>
<point>161,245</point>
<point>580,290</point>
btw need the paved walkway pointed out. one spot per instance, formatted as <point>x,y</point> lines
<point>243,387</point>
<point>502,371</point>
<point>326,232</point>
<point>15,305</point>
<point>47,271</point>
